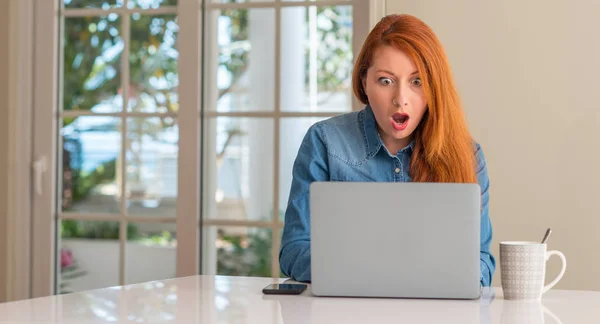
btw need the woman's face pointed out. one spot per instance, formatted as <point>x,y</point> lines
<point>395,93</point>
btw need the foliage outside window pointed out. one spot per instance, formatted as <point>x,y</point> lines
<point>92,82</point>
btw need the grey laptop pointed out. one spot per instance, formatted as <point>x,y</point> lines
<point>405,240</point>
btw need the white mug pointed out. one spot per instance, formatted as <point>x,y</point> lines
<point>523,269</point>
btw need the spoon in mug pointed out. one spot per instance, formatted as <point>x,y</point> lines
<point>548,231</point>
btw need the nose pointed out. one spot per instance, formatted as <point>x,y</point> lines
<point>400,97</point>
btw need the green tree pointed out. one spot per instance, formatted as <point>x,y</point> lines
<point>334,52</point>
<point>92,48</point>
<point>92,63</point>
<point>245,255</point>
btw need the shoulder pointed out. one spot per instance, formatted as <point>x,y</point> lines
<point>342,136</point>
<point>342,120</point>
<point>481,167</point>
<point>335,128</point>
<point>479,156</point>
<point>344,126</point>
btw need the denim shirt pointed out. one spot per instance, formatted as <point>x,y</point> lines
<point>348,148</point>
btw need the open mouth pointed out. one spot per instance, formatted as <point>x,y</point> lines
<point>400,121</point>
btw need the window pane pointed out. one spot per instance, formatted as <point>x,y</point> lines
<point>150,4</point>
<point>103,4</point>
<point>241,54</point>
<point>153,61</point>
<point>91,149</point>
<point>92,68</point>
<point>149,245</point>
<point>88,256</point>
<point>239,168</point>
<point>152,148</point>
<point>292,131</point>
<point>316,59</point>
<point>238,251</point>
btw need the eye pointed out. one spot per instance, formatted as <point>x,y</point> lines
<point>385,81</point>
<point>416,82</point>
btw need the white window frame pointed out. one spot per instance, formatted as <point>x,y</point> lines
<point>361,25</point>
<point>35,59</point>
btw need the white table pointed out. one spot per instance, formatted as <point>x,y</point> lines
<point>210,299</point>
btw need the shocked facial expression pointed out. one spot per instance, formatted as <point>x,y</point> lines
<point>395,92</point>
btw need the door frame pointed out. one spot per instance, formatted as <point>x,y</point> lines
<point>16,217</point>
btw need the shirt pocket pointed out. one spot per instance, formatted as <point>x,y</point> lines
<point>342,172</point>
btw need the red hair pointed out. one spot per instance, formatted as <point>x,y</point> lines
<point>444,150</point>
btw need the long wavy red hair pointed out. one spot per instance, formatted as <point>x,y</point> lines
<point>444,149</point>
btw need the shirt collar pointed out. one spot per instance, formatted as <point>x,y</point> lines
<point>373,140</point>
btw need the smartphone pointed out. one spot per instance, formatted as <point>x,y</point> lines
<point>284,289</point>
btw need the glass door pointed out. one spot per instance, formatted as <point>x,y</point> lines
<point>165,131</point>
<point>109,150</point>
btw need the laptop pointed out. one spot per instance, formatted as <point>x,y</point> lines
<point>395,239</point>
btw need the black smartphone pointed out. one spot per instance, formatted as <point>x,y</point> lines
<point>284,289</point>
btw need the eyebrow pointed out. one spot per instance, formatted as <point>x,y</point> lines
<point>389,72</point>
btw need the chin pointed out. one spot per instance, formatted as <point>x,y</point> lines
<point>400,135</point>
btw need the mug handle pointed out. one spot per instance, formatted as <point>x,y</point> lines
<point>562,271</point>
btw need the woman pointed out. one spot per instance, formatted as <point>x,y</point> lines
<point>411,129</point>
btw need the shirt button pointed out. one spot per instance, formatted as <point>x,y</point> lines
<point>397,170</point>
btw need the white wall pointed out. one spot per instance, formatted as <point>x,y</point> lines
<point>528,75</point>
